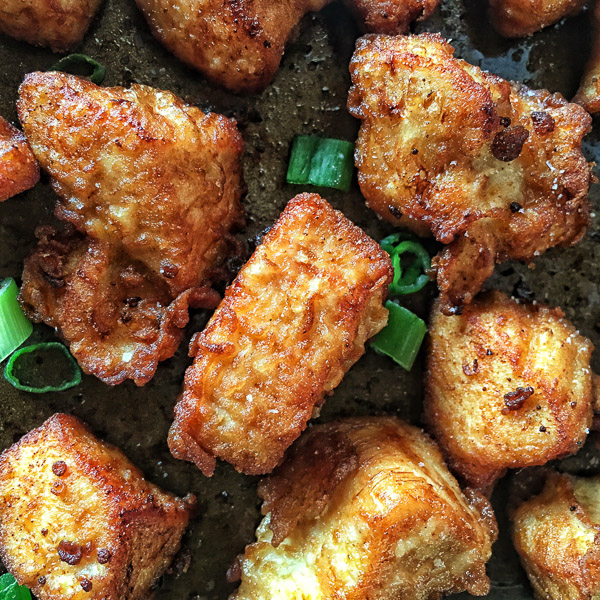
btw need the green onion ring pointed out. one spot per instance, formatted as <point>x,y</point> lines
<point>73,64</point>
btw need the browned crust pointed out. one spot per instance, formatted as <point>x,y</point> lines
<point>507,385</point>
<point>136,513</point>
<point>238,44</point>
<point>493,169</point>
<point>518,18</point>
<point>291,324</point>
<point>384,479</point>
<point>118,319</point>
<point>59,24</point>
<point>588,94</point>
<point>19,170</point>
<point>546,532</point>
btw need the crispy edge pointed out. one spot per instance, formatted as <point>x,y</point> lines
<point>588,94</point>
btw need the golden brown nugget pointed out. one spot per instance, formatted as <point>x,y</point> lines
<point>59,24</point>
<point>557,534</point>
<point>507,385</point>
<point>239,44</point>
<point>292,323</point>
<point>19,170</point>
<point>493,169</point>
<point>118,318</point>
<point>517,18</point>
<point>140,168</point>
<point>366,508</point>
<point>589,91</point>
<point>79,521</point>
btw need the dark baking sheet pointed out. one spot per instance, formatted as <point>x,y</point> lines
<point>308,96</point>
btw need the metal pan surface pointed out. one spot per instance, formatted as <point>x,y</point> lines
<point>307,96</point>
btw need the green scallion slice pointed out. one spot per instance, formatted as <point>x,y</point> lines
<point>323,162</point>
<point>14,326</point>
<point>402,337</point>
<point>81,64</point>
<point>11,590</point>
<point>410,261</point>
<point>14,378</point>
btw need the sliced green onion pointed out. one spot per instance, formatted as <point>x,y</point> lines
<point>13,379</point>
<point>11,590</point>
<point>81,64</point>
<point>324,162</point>
<point>402,337</point>
<point>411,276</point>
<point>14,326</point>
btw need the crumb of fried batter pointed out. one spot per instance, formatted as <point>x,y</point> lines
<point>529,399</point>
<point>356,509</point>
<point>493,169</point>
<point>77,516</point>
<point>556,535</point>
<point>295,319</point>
<point>19,170</point>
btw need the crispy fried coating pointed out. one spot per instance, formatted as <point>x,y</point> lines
<point>59,24</point>
<point>557,534</point>
<point>118,317</point>
<point>588,94</point>
<point>238,44</point>
<point>138,167</point>
<point>19,170</point>
<point>492,168</point>
<point>517,18</point>
<point>293,322</point>
<point>366,508</point>
<point>507,385</point>
<point>79,521</point>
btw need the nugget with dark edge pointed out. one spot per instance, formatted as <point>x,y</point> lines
<point>530,400</point>
<point>293,322</point>
<point>557,535</point>
<point>19,170</point>
<point>155,186</point>
<point>59,24</point>
<point>517,18</point>
<point>588,94</point>
<point>448,148</point>
<point>118,317</point>
<point>97,530</point>
<point>239,44</point>
<point>366,508</point>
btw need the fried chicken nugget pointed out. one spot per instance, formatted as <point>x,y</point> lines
<point>19,170</point>
<point>140,168</point>
<point>79,521</point>
<point>492,168</point>
<point>118,318</point>
<point>292,323</point>
<point>507,385</point>
<point>238,44</point>
<point>366,508</point>
<point>588,94</point>
<point>557,535</point>
<point>517,18</point>
<point>59,24</point>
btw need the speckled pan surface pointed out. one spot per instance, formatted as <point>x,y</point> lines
<point>308,96</point>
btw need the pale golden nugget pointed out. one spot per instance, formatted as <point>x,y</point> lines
<point>59,24</point>
<point>19,170</point>
<point>507,385</point>
<point>493,169</point>
<point>557,534</point>
<point>78,521</point>
<point>589,91</point>
<point>295,319</point>
<point>365,508</point>
<point>238,44</point>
